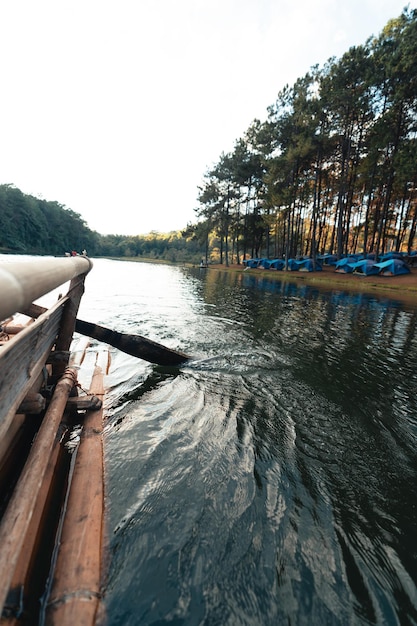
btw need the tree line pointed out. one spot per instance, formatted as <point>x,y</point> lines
<point>333,168</point>
<point>31,225</point>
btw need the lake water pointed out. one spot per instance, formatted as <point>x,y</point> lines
<point>271,479</point>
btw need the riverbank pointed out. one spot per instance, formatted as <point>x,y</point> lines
<point>403,288</point>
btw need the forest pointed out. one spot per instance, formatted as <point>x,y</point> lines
<point>31,225</point>
<point>332,169</point>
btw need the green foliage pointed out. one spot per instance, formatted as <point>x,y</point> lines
<point>34,226</point>
<point>334,167</point>
<point>175,247</point>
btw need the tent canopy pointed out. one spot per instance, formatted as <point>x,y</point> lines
<point>366,267</point>
<point>392,267</point>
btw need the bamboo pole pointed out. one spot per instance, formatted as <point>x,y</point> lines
<point>76,591</point>
<point>17,601</point>
<point>69,316</point>
<point>19,512</point>
<point>22,283</point>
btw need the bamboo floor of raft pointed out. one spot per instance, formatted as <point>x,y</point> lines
<point>53,527</point>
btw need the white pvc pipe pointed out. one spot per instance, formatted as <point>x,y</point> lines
<point>22,283</point>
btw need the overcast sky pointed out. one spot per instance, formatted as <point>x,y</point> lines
<point>116,109</point>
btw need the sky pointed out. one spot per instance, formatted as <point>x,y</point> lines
<point>116,109</point>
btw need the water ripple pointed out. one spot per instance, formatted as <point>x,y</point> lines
<point>270,479</point>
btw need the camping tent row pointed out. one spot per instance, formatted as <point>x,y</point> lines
<point>369,267</point>
<point>332,259</point>
<point>294,265</point>
<point>389,265</point>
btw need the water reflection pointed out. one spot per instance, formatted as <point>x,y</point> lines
<point>272,478</point>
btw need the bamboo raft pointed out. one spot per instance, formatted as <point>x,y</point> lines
<point>52,536</point>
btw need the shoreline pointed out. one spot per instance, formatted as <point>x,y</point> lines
<point>403,288</point>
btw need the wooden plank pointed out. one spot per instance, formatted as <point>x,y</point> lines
<point>7,443</point>
<point>23,359</point>
<point>18,514</point>
<point>76,591</point>
<point>135,345</point>
<point>20,591</point>
<point>33,403</point>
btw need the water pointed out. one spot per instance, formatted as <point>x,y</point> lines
<point>272,479</point>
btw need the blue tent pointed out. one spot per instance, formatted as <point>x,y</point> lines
<point>277,264</point>
<point>252,262</point>
<point>391,255</point>
<point>307,265</point>
<point>293,265</point>
<point>274,264</point>
<point>328,259</point>
<point>392,267</point>
<point>345,266</point>
<point>265,263</point>
<point>365,267</point>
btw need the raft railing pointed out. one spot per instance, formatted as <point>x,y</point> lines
<point>38,357</point>
<point>22,362</point>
